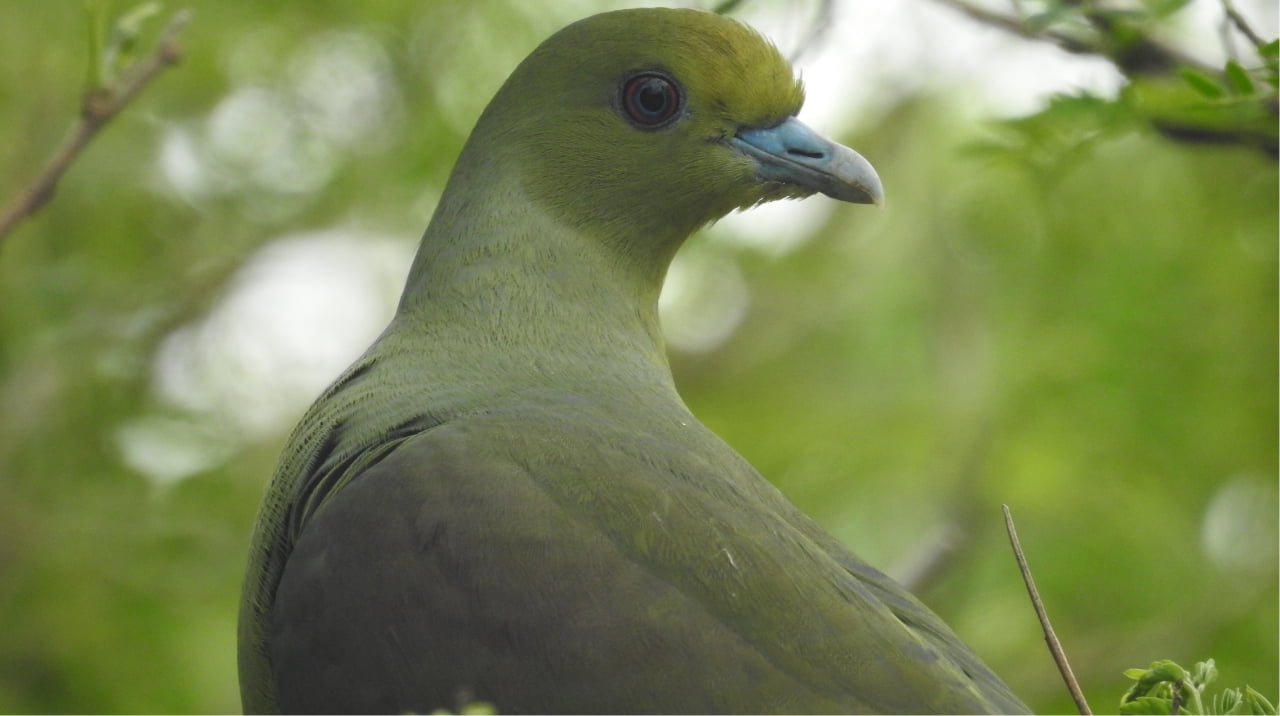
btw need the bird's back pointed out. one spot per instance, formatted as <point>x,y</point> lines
<point>540,559</point>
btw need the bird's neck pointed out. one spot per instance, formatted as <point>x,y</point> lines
<point>517,295</point>
<point>504,309</point>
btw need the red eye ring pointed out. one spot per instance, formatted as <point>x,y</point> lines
<point>651,100</point>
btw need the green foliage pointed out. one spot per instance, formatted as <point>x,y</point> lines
<point>1115,28</point>
<point>1167,688</point>
<point>1057,137</point>
<point>1270,54</point>
<point>1201,108</point>
<point>1234,105</point>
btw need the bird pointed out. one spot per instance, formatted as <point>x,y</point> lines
<point>505,500</point>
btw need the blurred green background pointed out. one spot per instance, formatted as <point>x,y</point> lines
<point>1078,321</point>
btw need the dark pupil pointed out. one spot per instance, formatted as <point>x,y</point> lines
<point>652,97</point>
<point>650,100</point>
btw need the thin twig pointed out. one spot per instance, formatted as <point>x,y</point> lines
<point>100,107</point>
<point>1055,647</point>
<point>1016,26</point>
<point>1242,24</point>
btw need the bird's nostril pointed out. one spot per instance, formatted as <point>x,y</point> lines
<point>807,153</point>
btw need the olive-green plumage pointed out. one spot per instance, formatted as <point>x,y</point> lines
<point>506,500</point>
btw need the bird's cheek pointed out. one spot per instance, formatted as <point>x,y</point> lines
<point>739,181</point>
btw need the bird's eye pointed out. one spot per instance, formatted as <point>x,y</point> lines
<point>650,100</point>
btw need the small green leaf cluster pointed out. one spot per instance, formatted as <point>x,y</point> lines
<point>112,51</point>
<point>1238,81</point>
<point>1171,93</point>
<point>1119,26</point>
<point>1167,688</point>
<point>1237,105</point>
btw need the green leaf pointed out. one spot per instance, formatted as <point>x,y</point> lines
<point>1258,704</point>
<point>1202,83</point>
<point>1270,51</point>
<point>1246,701</point>
<point>1270,54</point>
<point>1156,682</point>
<point>124,39</point>
<point>1239,78</point>
<point>1167,671</point>
<point>1145,705</point>
<point>1228,702</point>
<point>1204,673</point>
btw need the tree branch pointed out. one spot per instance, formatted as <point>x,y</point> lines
<point>101,105</point>
<point>1055,647</point>
<point>1148,53</point>
<point>1015,26</point>
<point>1242,24</point>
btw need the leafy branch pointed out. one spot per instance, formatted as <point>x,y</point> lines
<point>114,82</point>
<point>1177,95</point>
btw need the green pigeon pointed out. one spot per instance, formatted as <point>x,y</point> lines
<point>505,500</point>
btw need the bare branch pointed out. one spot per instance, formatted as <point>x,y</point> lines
<point>100,107</point>
<point>1055,647</point>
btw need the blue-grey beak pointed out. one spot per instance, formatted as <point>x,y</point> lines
<point>791,153</point>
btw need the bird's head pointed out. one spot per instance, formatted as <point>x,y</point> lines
<point>643,125</point>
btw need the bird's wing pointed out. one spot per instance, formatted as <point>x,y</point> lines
<point>457,568</point>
